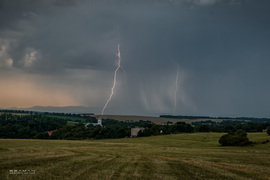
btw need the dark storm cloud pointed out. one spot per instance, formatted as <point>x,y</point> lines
<point>221,46</point>
<point>52,29</point>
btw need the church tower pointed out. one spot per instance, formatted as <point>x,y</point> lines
<point>99,121</point>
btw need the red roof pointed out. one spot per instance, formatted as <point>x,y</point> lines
<point>50,132</point>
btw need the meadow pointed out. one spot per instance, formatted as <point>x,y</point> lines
<point>179,156</point>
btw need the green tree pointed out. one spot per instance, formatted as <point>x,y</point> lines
<point>146,132</point>
<point>239,138</point>
<point>121,133</point>
<point>43,135</point>
<point>189,128</point>
<point>204,128</point>
<point>268,131</point>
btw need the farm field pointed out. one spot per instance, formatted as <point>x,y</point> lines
<point>156,120</point>
<point>180,156</point>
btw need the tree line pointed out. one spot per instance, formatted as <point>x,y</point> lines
<point>249,119</point>
<point>27,126</point>
<point>45,113</point>
<point>155,129</point>
<point>229,126</point>
<point>38,125</point>
<point>79,132</point>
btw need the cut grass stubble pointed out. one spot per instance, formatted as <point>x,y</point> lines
<point>181,156</point>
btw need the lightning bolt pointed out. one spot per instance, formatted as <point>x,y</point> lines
<point>176,89</point>
<point>114,80</point>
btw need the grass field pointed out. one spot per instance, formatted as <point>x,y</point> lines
<point>181,156</point>
<point>71,123</point>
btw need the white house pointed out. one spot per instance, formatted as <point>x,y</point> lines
<point>134,131</point>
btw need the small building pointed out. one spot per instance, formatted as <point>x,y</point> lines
<point>135,131</point>
<point>99,123</point>
<point>50,132</point>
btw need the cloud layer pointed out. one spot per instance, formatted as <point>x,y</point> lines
<point>65,53</point>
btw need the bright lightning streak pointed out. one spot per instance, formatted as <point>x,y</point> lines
<point>176,89</point>
<point>114,80</point>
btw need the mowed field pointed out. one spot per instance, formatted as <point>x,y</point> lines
<point>180,156</point>
<point>156,120</point>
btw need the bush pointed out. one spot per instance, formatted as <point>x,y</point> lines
<point>204,128</point>
<point>239,138</point>
<point>268,131</point>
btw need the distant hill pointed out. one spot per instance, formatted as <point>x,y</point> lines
<point>64,109</point>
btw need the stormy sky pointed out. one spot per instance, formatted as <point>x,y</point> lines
<point>64,53</point>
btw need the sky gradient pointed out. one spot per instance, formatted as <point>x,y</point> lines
<point>64,53</point>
